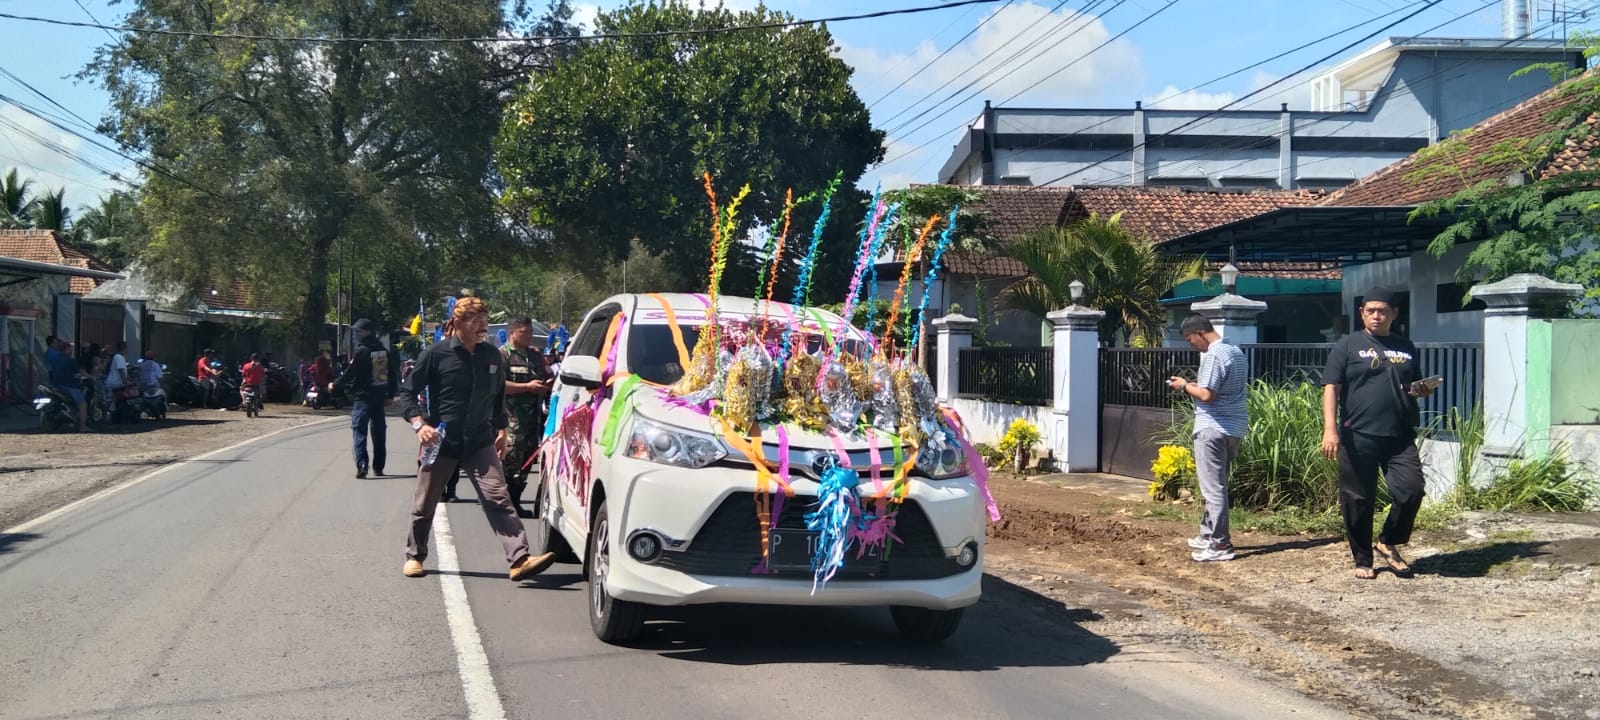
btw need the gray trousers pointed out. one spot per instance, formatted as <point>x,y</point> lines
<point>482,468</point>
<point>1214,453</point>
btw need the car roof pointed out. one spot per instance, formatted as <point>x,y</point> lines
<point>695,304</point>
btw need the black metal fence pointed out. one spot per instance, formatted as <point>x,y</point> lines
<point>1018,375</point>
<point>1137,376</point>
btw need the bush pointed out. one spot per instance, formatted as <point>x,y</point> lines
<point>1550,483</point>
<point>1280,462</point>
<point>1022,435</point>
<point>1174,470</point>
<point>992,457</point>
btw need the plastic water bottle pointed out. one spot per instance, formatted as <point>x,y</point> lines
<point>431,452</point>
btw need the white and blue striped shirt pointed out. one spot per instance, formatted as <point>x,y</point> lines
<point>1225,372</point>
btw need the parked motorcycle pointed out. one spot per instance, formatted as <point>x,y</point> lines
<point>115,405</point>
<point>185,390</point>
<point>152,401</point>
<point>57,412</point>
<point>281,384</point>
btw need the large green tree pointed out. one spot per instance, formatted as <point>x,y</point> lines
<point>1122,273</point>
<point>611,144</point>
<point>279,157</point>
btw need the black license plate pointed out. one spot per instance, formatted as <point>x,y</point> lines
<point>791,551</point>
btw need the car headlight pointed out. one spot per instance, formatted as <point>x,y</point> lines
<point>942,464</point>
<point>667,445</point>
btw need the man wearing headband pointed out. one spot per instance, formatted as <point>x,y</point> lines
<point>464,378</point>
<point>1369,422</point>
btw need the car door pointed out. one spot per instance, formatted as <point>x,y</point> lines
<point>572,495</point>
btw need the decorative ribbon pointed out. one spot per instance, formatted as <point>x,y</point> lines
<point>677,332</point>
<point>933,272</point>
<point>912,256</point>
<point>980,472</point>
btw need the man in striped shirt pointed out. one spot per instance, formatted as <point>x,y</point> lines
<point>1220,422</point>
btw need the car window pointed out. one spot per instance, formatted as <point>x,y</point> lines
<point>591,338</point>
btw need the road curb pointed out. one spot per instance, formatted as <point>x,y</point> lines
<point>119,487</point>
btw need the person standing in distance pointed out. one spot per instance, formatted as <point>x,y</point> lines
<point>527,389</point>
<point>1220,423</point>
<point>368,374</point>
<point>464,379</point>
<point>1369,422</point>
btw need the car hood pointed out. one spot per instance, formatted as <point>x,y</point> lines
<point>653,404</point>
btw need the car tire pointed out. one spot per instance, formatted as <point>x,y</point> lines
<point>614,621</point>
<point>924,625</point>
<point>543,536</point>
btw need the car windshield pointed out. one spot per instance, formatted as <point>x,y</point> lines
<point>654,358</point>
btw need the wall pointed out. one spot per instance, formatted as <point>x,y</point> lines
<point>987,421</point>
<point>1575,397</point>
<point>36,299</point>
<point>1421,274</point>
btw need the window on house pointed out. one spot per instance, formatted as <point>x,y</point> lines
<point>1451,298</point>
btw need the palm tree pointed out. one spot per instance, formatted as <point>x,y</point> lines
<point>14,201</point>
<point>1123,274</point>
<point>50,212</point>
<point>113,230</point>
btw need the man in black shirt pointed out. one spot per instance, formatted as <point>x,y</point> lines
<point>369,376</point>
<point>1371,376</point>
<point>464,378</point>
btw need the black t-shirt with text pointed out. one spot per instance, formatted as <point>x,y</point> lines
<point>1374,374</point>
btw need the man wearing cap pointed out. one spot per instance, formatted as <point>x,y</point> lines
<point>1369,422</point>
<point>527,390</point>
<point>370,376</point>
<point>464,426</point>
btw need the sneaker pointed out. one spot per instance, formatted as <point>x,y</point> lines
<point>532,565</point>
<point>1216,552</point>
<point>1199,542</point>
<point>412,568</point>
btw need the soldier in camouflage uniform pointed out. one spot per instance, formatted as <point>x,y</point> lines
<point>527,389</point>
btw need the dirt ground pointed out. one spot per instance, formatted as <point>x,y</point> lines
<point>40,471</point>
<point>1500,620</point>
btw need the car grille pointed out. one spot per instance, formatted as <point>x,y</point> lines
<point>730,544</point>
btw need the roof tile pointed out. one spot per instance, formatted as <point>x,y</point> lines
<point>48,246</point>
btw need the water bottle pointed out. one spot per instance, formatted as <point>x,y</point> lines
<point>431,452</point>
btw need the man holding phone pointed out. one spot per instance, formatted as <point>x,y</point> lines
<point>1369,422</point>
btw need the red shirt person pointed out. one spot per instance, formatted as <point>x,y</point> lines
<point>254,372</point>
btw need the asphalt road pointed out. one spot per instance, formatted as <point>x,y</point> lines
<point>264,582</point>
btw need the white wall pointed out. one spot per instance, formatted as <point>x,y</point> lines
<point>1421,274</point>
<point>987,421</point>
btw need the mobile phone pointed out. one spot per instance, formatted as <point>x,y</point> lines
<point>1427,383</point>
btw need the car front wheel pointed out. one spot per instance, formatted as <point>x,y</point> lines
<point>542,534</point>
<point>614,621</point>
<point>925,625</point>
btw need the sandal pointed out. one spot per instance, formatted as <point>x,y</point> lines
<point>1365,573</point>
<point>1392,557</point>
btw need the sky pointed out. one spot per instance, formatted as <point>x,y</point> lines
<point>924,77</point>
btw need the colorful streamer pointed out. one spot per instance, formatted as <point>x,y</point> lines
<point>933,273</point>
<point>912,257</point>
<point>802,285</point>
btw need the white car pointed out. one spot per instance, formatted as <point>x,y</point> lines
<point>669,516</point>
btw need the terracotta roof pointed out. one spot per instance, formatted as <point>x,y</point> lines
<point>1398,185</point>
<point>48,246</point>
<point>1156,213</point>
<point>1288,270</point>
<point>231,296</point>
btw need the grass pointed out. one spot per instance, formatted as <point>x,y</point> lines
<point>1520,535</point>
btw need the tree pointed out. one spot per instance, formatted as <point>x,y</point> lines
<point>113,230</point>
<point>1122,273</point>
<point>278,157</point>
<point>1545,220</point>
<point>16,198</point>
<point>610,145</point>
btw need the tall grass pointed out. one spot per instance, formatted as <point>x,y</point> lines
<point>1280,464</point>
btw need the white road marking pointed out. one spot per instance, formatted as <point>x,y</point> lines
<point>477,682</point>
<point>114,489</point>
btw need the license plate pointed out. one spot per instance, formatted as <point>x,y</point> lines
<point>791,551</point>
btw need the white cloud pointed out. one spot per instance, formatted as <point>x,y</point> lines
<point>49,168</point>
<point>1173,98</point>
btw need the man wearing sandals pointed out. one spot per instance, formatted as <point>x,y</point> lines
<point>1220,422</point>
<point>1369,422</point>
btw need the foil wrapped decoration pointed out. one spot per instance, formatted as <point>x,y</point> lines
<point>703,397</point>
<point>839,395</point>
<point>837,511</point>
<point>919,408</point>
<point>880,396</point>
<point>747,389</point>
<point>800,399</point>
<point>701,372</point>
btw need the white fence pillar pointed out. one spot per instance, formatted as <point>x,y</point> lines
<point>1074,434</point>
<point>1517,361</point>
<point>954,335</point>
<point>1233,316</point>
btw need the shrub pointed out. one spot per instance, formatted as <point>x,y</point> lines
<point>1550,483</point>
<point>1280,462</point>
<point>992,457</point>
<point>1174,470</point>
<point>1019,438</point>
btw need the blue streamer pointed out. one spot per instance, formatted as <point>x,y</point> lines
<point>872,275</point>
<point>933,272</point>
<point>801,283</point>
<point>836,513</point>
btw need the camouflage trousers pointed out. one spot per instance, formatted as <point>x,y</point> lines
<point>522,443</point>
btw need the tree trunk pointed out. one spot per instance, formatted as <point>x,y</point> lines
<point>315,309</point>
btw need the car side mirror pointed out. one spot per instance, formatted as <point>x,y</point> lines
<point>581,370</point>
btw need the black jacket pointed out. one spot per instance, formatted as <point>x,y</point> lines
<point>371,373</point>
<point>465,388</point>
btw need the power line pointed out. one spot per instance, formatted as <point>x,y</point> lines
<point>941,55</point>
<point>776,25</point>
<point>1429,5</point>
<point>902,61</point>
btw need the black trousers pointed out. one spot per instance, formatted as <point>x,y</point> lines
<point>1360,459</point>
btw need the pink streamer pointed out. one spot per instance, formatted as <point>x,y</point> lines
<point>980,472</point>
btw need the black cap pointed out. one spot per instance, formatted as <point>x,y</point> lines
<point>363,324</point>
<point>1383,295</point>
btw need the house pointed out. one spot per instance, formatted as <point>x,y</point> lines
<point>1367,228</point>
<point>1368,112</point>
<point>30,294</point>
<point>1309,291</point>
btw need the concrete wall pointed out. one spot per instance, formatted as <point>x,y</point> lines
<point>1574,355</point>
<point>987,421</point>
